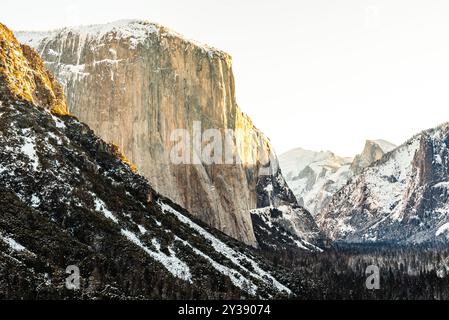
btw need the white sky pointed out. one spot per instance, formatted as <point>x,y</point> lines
<point>315,74</point>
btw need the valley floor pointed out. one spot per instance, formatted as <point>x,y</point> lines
<point>342,273</point>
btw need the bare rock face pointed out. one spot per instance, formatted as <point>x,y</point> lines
<point>135,83</point>
<point>23,75</point>
<point>373,151</point>
<point>66,199</point>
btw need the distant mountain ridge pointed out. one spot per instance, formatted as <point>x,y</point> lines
<point>315,177</point>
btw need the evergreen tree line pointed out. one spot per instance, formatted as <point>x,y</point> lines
<point>412,273</point>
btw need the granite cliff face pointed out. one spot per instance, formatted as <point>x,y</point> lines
<point>24,76</point>
<point>67,199</point>
<point>373,151</point>
<point>134,83</point>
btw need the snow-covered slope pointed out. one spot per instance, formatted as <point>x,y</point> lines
<point>314,177</point>
<point>58,170</point>
<point>402,198</point>
<point>280,222</point>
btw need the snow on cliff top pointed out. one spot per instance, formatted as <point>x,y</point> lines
<point>137,30</point>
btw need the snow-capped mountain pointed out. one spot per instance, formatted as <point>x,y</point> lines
<point>68,198</point>
<point>402,198</point>
<point>135,83</point>
<point>315,177</point>
<point>373,151</point>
